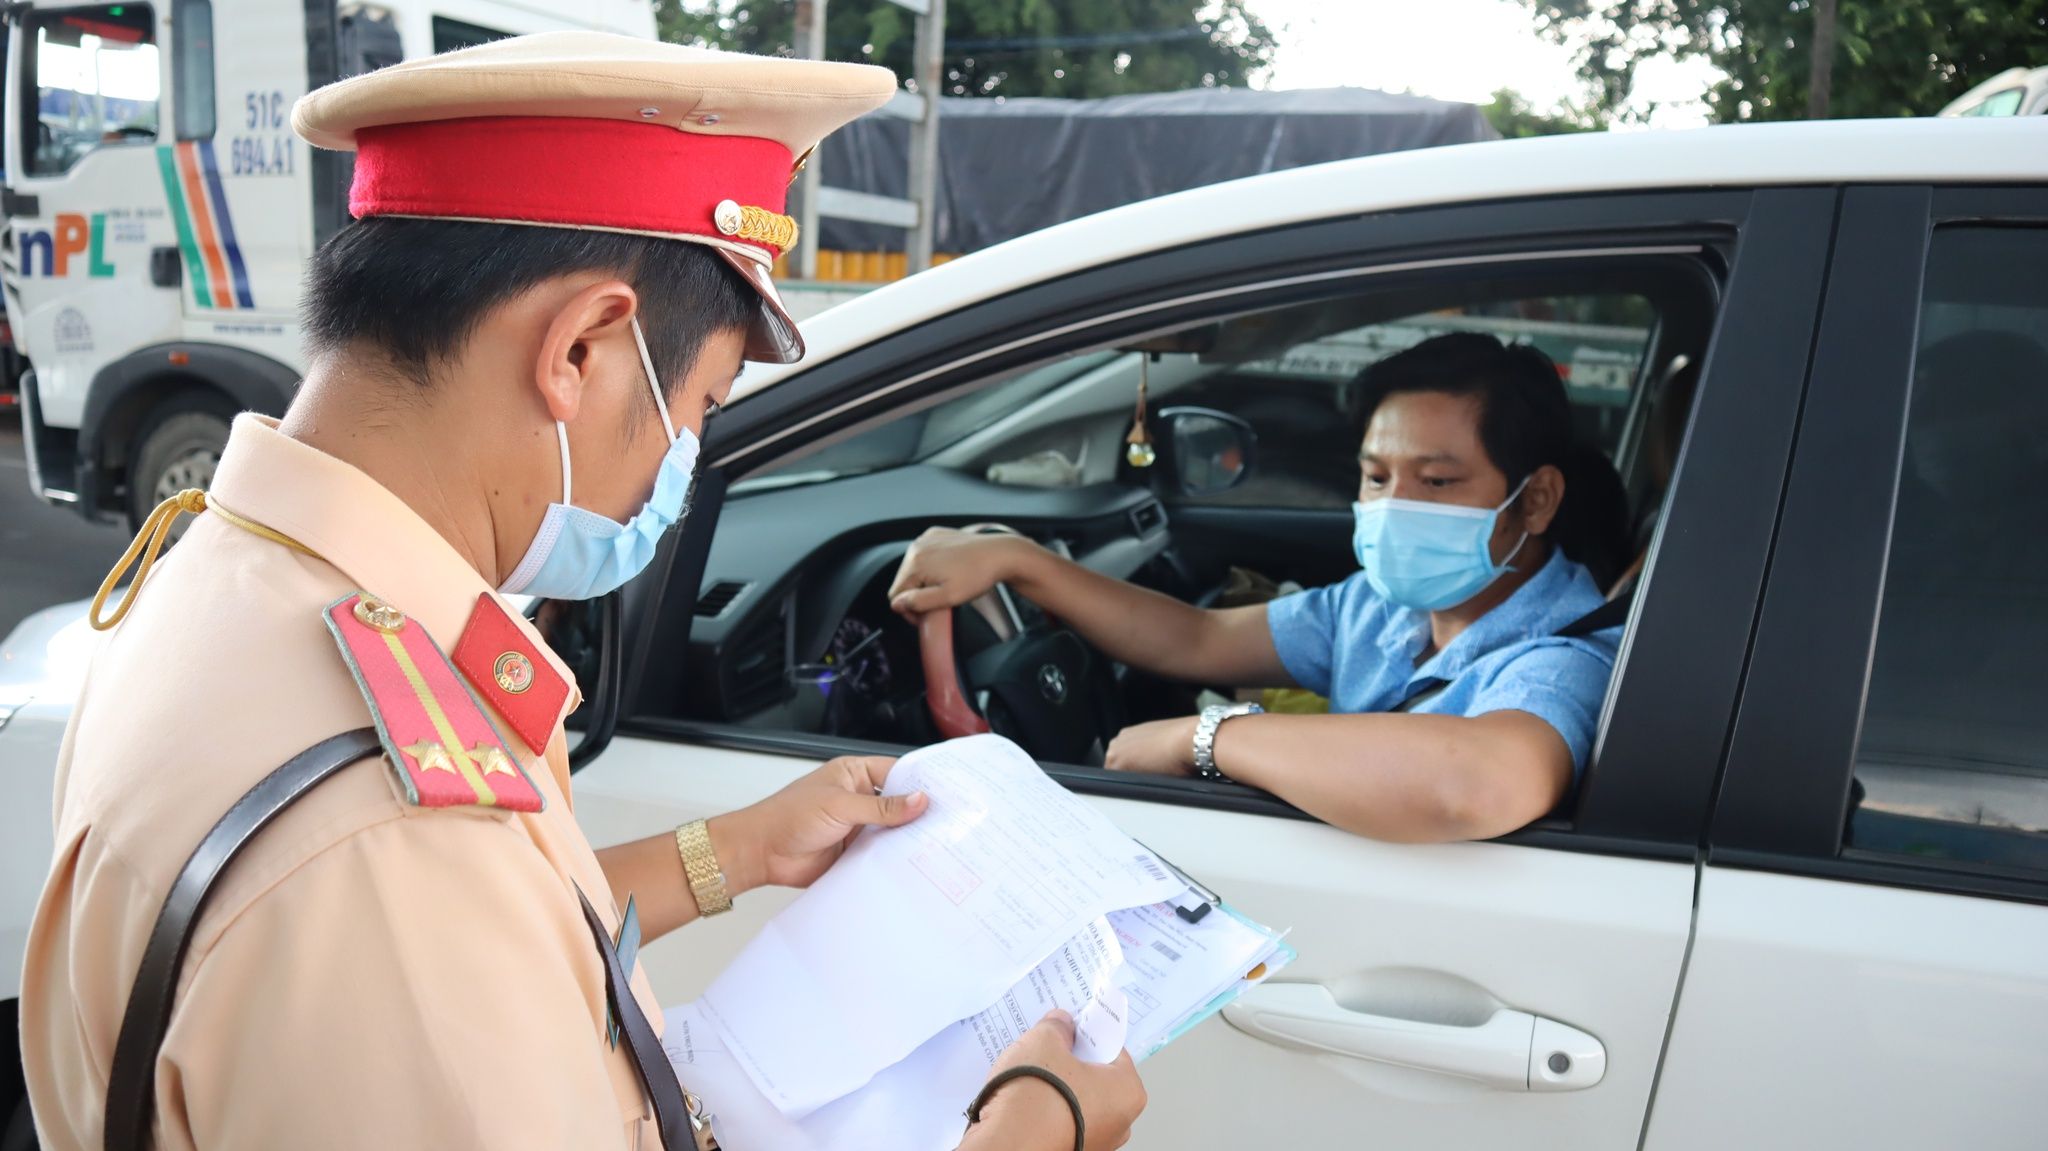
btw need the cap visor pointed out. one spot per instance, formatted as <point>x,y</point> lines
<point>774,338</point>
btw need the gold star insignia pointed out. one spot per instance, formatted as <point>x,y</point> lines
<point>492,759</point>
<point>430,756</point>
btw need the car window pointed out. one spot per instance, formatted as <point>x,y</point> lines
<point>2006,103</point>
<point>1302,394</point>
<point>450,35</point>
<point>192,22</point>
<point>793,629</point>
<point>1953,757</point>
<point>1288,373</point>
<point>94,72</point>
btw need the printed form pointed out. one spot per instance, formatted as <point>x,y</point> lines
<point>917,1104</point>
<point>918,928</point>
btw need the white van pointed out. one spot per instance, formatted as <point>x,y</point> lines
<point>160,213</point>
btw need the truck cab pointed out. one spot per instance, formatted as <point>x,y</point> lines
<point>159,213</point>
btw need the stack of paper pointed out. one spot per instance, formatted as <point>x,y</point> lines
<point>869,1012</point>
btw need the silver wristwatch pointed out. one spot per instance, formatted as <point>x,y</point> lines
<point>1205,734</point>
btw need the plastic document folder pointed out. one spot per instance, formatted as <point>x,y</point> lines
<point>870,1011</point>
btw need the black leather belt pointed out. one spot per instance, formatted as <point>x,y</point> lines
<point>131,1082</point>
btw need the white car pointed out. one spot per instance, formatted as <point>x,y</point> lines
<point>2013,92</point>
<point>1800,898</point>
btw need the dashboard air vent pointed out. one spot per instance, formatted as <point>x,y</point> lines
<point>718,597</point>
<point>1148,518</point>
<point>756,669</point>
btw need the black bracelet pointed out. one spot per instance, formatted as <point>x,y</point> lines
<point>1028,1071</point>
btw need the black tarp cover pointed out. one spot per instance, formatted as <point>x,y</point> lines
<point>1015,166</point>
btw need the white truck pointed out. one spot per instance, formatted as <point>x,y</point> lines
<point>160,213</point>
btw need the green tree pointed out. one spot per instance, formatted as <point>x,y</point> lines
<point>1073,48</point>
<point>1513,117</point>
<point>1889,57</point>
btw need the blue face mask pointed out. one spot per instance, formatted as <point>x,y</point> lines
<point>579,554</point>
<point>1428,556</point>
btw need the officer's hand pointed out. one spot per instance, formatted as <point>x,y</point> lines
<point>1029,1113</point>
<point>791,837</point>
<point>947,567</point>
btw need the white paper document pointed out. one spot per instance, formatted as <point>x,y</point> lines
<point>918,1103</point>
<point>1172,967</point>
<point>871,1010</point>
<point>917,927</point>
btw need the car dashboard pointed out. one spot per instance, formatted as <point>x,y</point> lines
<point>792,628</point>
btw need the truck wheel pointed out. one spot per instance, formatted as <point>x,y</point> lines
<point>20,1134</point>
<point>177,449</point>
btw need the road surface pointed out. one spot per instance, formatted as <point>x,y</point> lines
<point>48,555</point>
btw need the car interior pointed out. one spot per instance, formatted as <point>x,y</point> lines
<point>1238,489</point>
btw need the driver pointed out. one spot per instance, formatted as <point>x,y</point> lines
<point>1458,711</point>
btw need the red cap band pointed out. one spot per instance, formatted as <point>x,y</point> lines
<point>570,172</point>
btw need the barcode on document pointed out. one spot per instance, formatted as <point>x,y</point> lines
<point>1152,867</point>
<point>1163,949</point>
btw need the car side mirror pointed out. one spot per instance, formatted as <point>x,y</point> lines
<point>1210,451</point>
<point>585,634</point>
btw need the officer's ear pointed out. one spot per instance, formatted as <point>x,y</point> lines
<point>585,334</point>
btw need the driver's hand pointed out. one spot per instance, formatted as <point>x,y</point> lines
<point>1028,1113</point>
<point>1162,747</point>
<point>947,567</point>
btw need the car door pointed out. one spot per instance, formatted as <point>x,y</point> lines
<point>1406,952</point>
<point>1871,963</point>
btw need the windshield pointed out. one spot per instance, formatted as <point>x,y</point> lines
<point>95,79</point>
<point>1289,372</point>
<point>909,439</point>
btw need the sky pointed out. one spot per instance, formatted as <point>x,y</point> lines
<point>1453,50</point>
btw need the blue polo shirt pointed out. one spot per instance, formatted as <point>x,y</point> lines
<point>1346,643</point>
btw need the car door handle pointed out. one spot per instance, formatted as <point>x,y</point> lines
<point>1511,1051</point>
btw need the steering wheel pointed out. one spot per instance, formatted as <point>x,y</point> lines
<point>988,668</point>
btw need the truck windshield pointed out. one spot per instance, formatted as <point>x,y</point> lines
<point>94,72</point>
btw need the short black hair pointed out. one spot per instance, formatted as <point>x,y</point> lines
<point>416,290</point>
<point>1525,422</point>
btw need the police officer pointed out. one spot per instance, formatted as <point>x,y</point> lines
<point>561,259</point>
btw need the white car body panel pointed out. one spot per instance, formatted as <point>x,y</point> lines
<point>1827,1014</point>
<point>1447,932</point>
<point>42,663</point>
<point>29,738</point>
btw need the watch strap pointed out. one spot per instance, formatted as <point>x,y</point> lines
<point>700,865</point>
<point>1205,735</point>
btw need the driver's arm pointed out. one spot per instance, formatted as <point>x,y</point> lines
<point>1404,778</point>
<point>1132,625</point>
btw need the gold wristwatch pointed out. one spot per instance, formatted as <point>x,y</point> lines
<point>700,864</point>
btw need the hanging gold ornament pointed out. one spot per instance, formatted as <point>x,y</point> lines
<point>1138,447</point>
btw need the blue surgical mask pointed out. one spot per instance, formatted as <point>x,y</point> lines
<point>579,554</point>
<point>1429,556</point>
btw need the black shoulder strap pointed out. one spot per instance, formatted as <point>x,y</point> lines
<point>131,1081</point>
<point>657,1075</point>
<point>1613,613</point>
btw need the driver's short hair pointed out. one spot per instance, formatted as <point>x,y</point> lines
<point>416,290</point>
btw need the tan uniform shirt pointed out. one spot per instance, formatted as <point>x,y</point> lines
<point>368,974</point>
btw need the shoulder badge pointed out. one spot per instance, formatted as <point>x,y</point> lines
<point>436,736</point>
<point>503,665</point>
